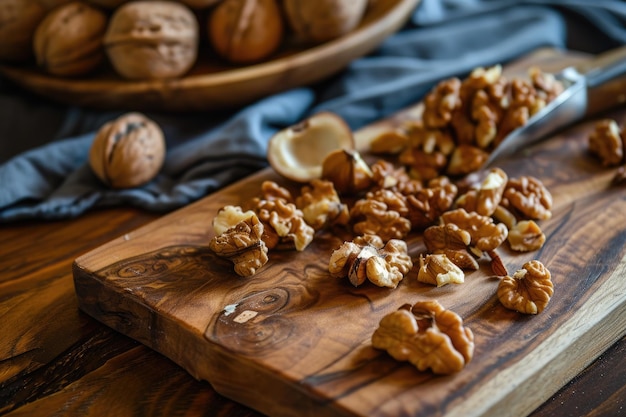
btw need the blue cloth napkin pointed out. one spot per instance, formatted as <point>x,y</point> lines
<point>44,146</point>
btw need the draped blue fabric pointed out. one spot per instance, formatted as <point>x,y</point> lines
<point>44,146</point>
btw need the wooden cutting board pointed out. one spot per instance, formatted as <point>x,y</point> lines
<point>293,341</point>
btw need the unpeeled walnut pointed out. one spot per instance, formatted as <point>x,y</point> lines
<point>246,31</point>
<point>148,40</point>
<point>426,335</point>
<point>323,20</point>
<point>18,21</point>
<point>68,41</point>
<point>368,258</point>
<point>238,238</point>
<point>529,290</point>
<point>439,270</point>
<point>128,151</point>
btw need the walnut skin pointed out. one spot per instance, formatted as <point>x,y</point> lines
<point>323,20</point>
<point>68,41</point>
<point>246,31</point>
<point>128,152</point>
<point>368,258</point>
<point>426,335</point>
<point>529,290</point>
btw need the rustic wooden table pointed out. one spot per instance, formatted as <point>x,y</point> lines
<point>56,360</point>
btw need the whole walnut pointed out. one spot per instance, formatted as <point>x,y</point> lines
<point>244,31</point>
<point>323,20</point>
<point>128,152</point>
<point>18,21</point>
<point>68,41</point>
<point>152,40</point>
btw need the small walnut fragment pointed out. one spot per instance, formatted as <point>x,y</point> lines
<point>439,270</point>
<point>452,241</point>
<point>607,143</point>
<point>526,236</point>
<point>368,258</point>
<point>238,238</point>
<point>426,335</point>
<point>529,290</point>
<point>486,198</point>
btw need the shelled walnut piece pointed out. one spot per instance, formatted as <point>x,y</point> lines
<point>463,121</point>
<point>367,257</point>
<point>238,238</point>
<point>426,335</point>
<point>529,290</point>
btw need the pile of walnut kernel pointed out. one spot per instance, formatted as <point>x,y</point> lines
<point>382,203</point>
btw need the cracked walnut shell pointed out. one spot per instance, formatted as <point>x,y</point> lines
<point>426,335</point>
<point>529,290</point>
<point>127,152</point>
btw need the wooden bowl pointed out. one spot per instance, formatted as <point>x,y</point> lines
<point>213,84</point>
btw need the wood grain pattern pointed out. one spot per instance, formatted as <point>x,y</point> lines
<point>146,383</point>
<point>307,351</point>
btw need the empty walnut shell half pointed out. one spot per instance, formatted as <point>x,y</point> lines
<point>298,152</point>
<point>128,152</point>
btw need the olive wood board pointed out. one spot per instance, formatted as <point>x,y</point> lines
<point>293,341</point>
<point>214,84</point>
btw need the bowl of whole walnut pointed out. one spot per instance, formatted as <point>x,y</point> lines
<point>185,55</point>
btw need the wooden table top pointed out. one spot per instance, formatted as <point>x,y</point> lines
<point>56,360</point>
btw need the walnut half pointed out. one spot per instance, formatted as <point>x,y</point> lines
<point>385,265</point>
<point>529,290</point>
<point>428,336</point>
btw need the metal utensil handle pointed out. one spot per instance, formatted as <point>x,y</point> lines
<point>604,67</point>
